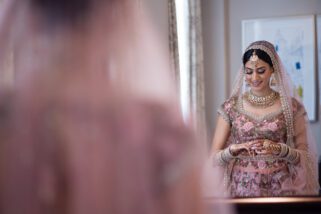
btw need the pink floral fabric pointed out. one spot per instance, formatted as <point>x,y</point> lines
<point>257,178</point>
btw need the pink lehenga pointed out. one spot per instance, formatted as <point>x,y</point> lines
<point>288,174</point>
<point>260,176</point>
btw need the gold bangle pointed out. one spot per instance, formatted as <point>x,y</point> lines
<point>275,148</point>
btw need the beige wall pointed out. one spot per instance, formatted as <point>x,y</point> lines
<point>216,57</point>
<point>222,38</point>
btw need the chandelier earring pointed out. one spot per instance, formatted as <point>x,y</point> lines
<point>247,84</point>
<point>272,80</point>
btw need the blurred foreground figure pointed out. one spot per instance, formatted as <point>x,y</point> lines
<point>91,124</point>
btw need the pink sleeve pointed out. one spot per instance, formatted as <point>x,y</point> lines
<point>226,109</point>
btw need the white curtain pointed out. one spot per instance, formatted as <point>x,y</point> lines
<point>173,40</point>
<point>189,70</point>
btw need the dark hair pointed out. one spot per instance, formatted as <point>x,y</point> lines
<point>62,10</point>
<point>260,53</point>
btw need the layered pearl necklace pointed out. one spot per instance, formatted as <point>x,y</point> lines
<point>261,101</point>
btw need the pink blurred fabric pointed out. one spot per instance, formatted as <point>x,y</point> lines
<point>93,123</point>
<point>98,154</point>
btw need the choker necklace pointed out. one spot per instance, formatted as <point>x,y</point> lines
<point>261,101</point>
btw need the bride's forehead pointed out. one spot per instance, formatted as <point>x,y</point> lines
<point>258,64</point>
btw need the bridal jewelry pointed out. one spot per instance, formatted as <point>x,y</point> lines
<point>254,59</point>
<point>261,101</point>
<point>273,80</point>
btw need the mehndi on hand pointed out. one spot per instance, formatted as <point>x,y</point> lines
<point>271,147</point>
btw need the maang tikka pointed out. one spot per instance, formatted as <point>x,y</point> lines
<point>254,59</point>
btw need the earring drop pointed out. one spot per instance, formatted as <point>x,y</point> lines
<point>273,80</point>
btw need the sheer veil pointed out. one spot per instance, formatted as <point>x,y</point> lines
<point>308,170</point>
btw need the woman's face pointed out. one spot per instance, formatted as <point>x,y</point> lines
<point>258,75</point>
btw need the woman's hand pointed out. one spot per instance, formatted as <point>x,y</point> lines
<point>266,147</point>
<point>244,148</point>
<point>256,147</point>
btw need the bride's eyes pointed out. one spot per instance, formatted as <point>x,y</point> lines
<point>260,70</point>
<point>248,71</point>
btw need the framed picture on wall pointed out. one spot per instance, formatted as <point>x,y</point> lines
<point>294,40</point>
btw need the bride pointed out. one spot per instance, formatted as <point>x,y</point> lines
<point>262,137</point>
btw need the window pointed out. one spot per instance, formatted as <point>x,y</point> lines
<point>182,18</point>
